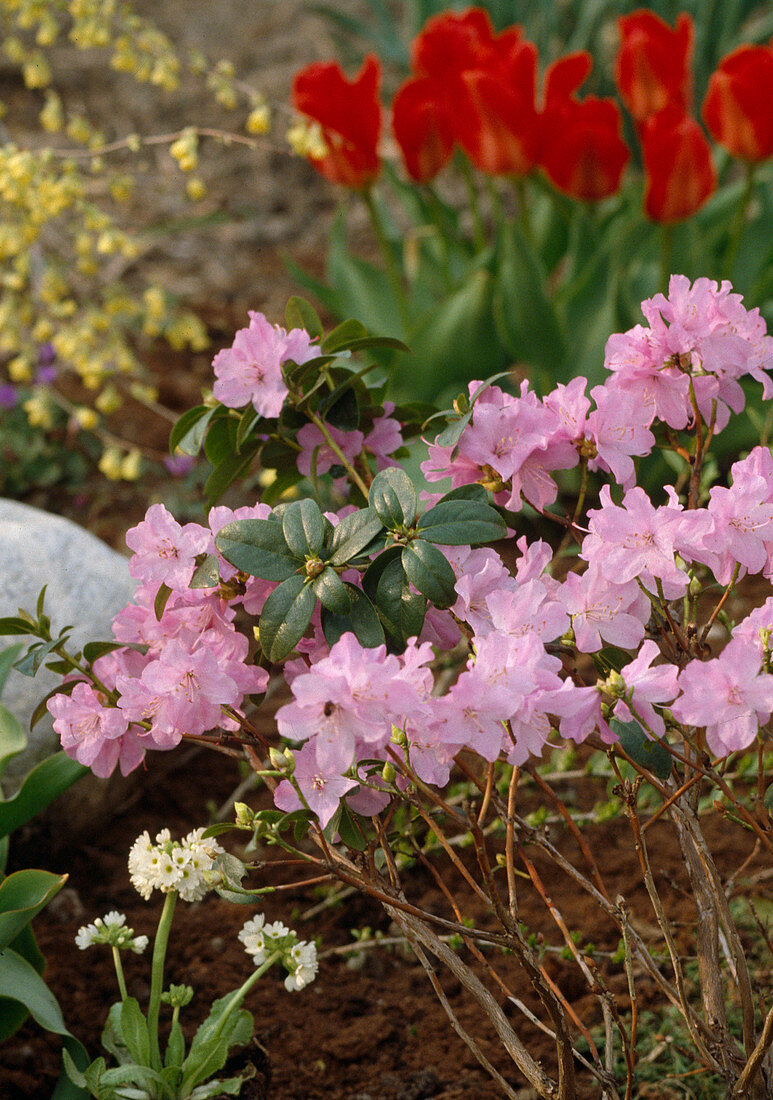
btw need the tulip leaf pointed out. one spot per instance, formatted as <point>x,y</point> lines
<point>286,615</point>
<point>525,318</point>
<point>428,569</point>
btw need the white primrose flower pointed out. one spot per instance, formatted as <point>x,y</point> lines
<point>190,866</point>
<point>299,958</point>
<point>111,930</point>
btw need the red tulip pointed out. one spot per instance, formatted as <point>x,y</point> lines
<point>678,169</point>
<point>349,113</point>
<point>738,108</point>
<point>653,63</point>
<point>583,152</point>
<point>483,86</point>
<point>499,131</point>
<point>422,128</point>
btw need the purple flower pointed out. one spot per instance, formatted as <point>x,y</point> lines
<point>9,397</point>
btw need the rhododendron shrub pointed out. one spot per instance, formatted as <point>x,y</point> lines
<point>526,593</point>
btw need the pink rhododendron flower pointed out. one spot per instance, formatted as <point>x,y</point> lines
<point>322,788</point>
<point>312,440</point>
<point>617,613</point>
<point>647,685</point>
<point>165,552</point>
<point>731,696</point>
<point>251,369</point>
<point>94,734</point>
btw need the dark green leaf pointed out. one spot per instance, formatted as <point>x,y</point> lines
<point>393,498</point>
<point>206,575</point>
<point>342,336</point>
<point>36,655</point>
<point>257,547</point>
<point>451,435</point>
<point>92,651</point>
<point>375,570</point>
<point>331,592</point>
<point>642,749</point>
<point>161,600</point>
<point>353,534</point>
<point>22,895</point>
<point>466,492</point>
<point>286,615</point>
<point>220,443</point>
<point>301,314</point>
<point>401,609</point>
<point>303,528</point>
<point>188,433</point>
<point>11,625</point>
<point>352,829</point>
<point>342,409</point>
<point>247,422</point>
<point>461,523</point>
<point>362,621</point>
<point>227,471</point>
<point>428,570</point>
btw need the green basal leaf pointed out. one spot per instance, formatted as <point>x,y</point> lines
<point>134,1031</point>
<point>44,783</point>
<point>331,592</point>
<point>301,314</point>
<point>13,739</point>
<point>175,1050</point>
<point>461,523</point>
<point>428,570</point>
<point>285,617</point>
<point>353,534</point>
<point>393,498</point>
<point>257,547</point>
<point>641,748</point>
<point>303,528</point>
<point>7,658</point>
<point>361,620</point>
<point>22,895</point>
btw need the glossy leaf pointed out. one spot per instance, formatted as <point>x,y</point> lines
<point>44,783</point>
<point>361,620</point>
<point>353,534</point>
<point>257,547</point>
<point>303,528</point>
<point>393,498</point>
<point>642,749</point>
<point>187,435</point>
<point>342,336</point>
<point>301,314</point>
<point>22,895</point>
<point>331,592</point>
<point>401,609</point>
<point>461,523</point>
<point>428,570</point>
<point>286,615</point>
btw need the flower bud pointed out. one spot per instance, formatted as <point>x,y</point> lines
<point>244,816</point>
<point>388,772</point>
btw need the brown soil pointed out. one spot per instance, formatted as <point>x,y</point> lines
<point>371,1029</point>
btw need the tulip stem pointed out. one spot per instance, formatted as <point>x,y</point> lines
<point>479,230</point>
<point>523,208</point>
<point>667,240</point>
<point>737,224</point>
<point>393,274</point>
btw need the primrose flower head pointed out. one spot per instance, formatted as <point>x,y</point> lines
<point>111,930</point>
<point>298,957</point>
<point>191,866</point>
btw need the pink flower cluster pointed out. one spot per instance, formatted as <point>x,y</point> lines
<point>188,669</point>
<point>185,666</point>
<point>251,369</point>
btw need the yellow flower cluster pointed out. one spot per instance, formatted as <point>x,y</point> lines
<point>59,233</point>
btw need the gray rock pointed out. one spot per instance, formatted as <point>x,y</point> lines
<point>87,584</point>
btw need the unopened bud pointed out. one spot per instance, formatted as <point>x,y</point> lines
<point>388,772</point>
<point>398,737</point>
<point>245,817</point>
<point>695,587</point>
<point>615,684</point>
<point>277,758</point>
